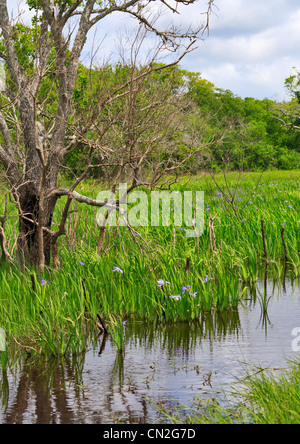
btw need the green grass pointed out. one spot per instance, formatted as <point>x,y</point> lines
<point>57,318</point>
<point>272,398</point>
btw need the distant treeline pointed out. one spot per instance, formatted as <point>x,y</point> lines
<point>256,130</point>
<point>250,133</point>
<point>131,120</point>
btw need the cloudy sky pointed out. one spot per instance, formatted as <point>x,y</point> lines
<point>252,46</point>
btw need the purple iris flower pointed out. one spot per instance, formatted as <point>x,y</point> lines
<point>161,282</point>
<point>184,288</point>
<point>177,297</point>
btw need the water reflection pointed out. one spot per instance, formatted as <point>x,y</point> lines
<point>160,362</point>
<point>43,384</point>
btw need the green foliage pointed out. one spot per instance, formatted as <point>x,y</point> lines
<point>292,83</point>
<point>62,4</point>
<point>250,133</point>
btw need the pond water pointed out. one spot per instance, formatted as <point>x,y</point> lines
<point>160,363</point>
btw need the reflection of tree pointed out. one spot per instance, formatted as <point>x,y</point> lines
<point>4,389</point>
<point>120,392</point>
<point>51,391</point>
<point>44,383</point>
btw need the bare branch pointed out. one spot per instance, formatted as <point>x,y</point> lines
<point>12,59</point>
<point>82,199</point>
<point>3,244</point>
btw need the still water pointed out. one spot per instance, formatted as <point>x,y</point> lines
<point>160,364</point>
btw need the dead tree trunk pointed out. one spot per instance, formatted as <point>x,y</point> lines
<point>28,244</point>
<point>33,140</point>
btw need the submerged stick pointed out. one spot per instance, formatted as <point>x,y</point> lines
<point>212,236</point>
<point>84,294</point>
<point>264,238</point>
<point>33,282</point>
<point>101,324</point>
<point>188,264</point>
<point>195,232</point>
<point>284,245</point>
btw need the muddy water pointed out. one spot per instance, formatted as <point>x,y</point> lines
<point>160,364</point>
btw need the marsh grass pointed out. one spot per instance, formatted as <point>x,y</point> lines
<point>55,315</point>
<point>273,397</point>
<point>265,396</point>
<point>117,331</point>
<point>203,411</point>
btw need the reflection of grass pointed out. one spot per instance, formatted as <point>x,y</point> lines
<point>52,317</point>
<point>3,356</point>
<point>265,398</point>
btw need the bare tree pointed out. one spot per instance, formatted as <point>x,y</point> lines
<point>33,146</point>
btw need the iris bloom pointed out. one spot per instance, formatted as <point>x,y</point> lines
<point>118,270</point>
<point>177,297</point>
<point>161,282</point>
<point>184,288</point>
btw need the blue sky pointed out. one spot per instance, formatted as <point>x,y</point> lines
<point>252,46</point>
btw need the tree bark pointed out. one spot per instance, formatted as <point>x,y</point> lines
<point>29,242</point>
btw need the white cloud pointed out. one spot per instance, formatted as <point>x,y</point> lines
<point>252,46</point>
